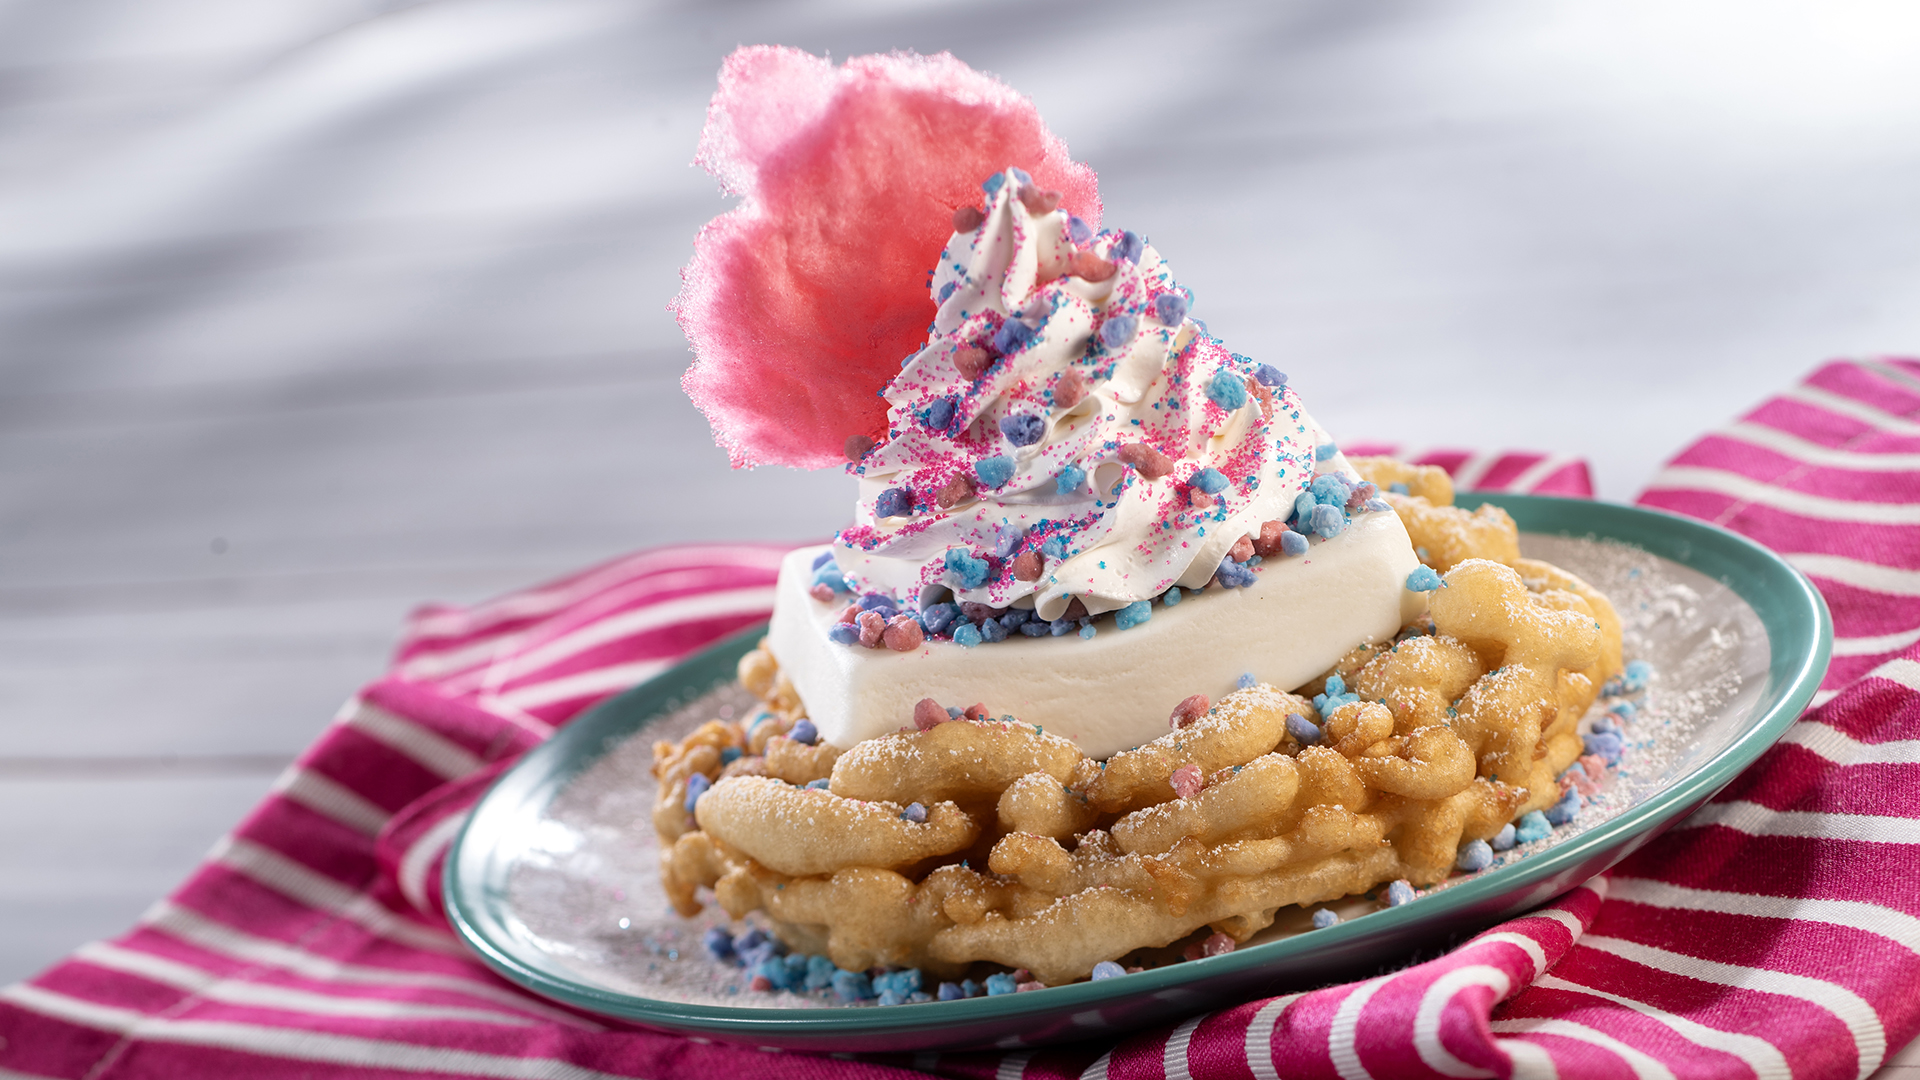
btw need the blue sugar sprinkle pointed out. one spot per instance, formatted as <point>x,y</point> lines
<point>1129,247</point>
<point>1325,917</point>
<point>947,290</point>
<point>914,812</point>
<point>1292,543</point>
<point>1400,892</point>
<point>1071,479</point>
<point>1607,744</point>
<point>994,471</point>
<point>1171,596</point>
<point>1170,308</point>
<point>1087,632</point>
<point>1268,375</point>
<point>1107,969</point>
<point>1023,429</point>
<point>992,184</point>
<point>1013,336</point>
<point>1562,812</point>
<point>851,986</point>
<point>1035,628</point>
<point>966,634</point>
<point>1078,231</point>
<point>820,973</point>
<point>1636,675</point>
<point>1504,839</point>
<point>1399,488</point>
<point>843,633</point>
<point>697,785</point>
<point>1533,826</point>
<point>1423,579</point>
<point>939,616</point>
<point>818,785</point>
<point>1006,539</point>
<point>1059,627</point>
<point>950,991</point>
<point>804,732</point>
<point>1329,521</point>
<point>1226,390</point>
<point>718,943</point>
<point>830,576</point>
<point>1234,575</point>
<point>1246,681</point>
<point>1210,480</point>
<point>729,755</point>
<point>1001,983</point>
<point>940,413</point>
<point>1325,452</point>
<point>1133,614</point>
<point>991,630</point>
<point>822,559</point>
<point>1332,490</point>
<point>1475,857</point>
<point>1302,729</point>
<point>1117,331</point>
<point>965,570</point>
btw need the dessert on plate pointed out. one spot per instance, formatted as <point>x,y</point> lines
<point>1119,651</point>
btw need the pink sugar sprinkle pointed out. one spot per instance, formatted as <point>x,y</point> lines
<point>1187,782</point>
<point>1189,710</point>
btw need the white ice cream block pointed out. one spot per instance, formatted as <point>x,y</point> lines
<point>1117,689</point>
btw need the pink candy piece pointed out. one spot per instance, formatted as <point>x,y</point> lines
<point>1242,549</point>
<point>903,634</point>
<point>1218,944</point>
<point>821,593</point>
<point>1187,782</point>
<point>1030,984</point>
<point>872,626</point>
<point>801,302</point>
<point>927,713</point>
<point>1189,710</point>
<point>1150,462</point>
<point>1595,765</point>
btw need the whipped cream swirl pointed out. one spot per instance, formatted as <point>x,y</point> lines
<point>1067,432</point>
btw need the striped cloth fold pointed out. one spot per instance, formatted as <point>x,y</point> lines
<point>1776,933</point>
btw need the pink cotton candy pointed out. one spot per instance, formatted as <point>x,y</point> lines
<point>802,302</point>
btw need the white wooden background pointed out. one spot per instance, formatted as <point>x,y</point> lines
<point>312,311</point>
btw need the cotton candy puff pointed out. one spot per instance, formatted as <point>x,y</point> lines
<point>802,302</point>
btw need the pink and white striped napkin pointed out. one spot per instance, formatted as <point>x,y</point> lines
<point>1775,933</point>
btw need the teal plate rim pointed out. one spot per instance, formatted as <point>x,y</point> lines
<point>1800,641</point>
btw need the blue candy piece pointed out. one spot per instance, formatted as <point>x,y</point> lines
<point>1268,375</point>
<point>1636,674</point>
<point>804,732</point>
<point>1399,488</point>
<point>992,630</point>
<point>940,413</point>
<point>830,576</point>
<point>994,471</point>
<point>1292,543</point>
<point>1625,710</point>
<point>1016,618</point>
<point>1246,681</point>
<point>697,785</point>
<point>1013,336</point>
<point>1060,626</point>
<point>1423,579</point>
<point>1107,969</point>
<point>851,986</point>
<point>950,991</point>
<point>1533,826</point>
<point>914,812</point>
<point>992,184</point>
<point>1210,480</point>
<point>1118,330</point>
<point>1079,231</point>
<point>1226,390</point>
<point>1171,596</point>
<point>1133,614</point>
<point>1087,632</point>
<point>906,981</point>
<point>1607,744</point>
<point>1562,812</point>
<point>972,989</point>
<point>1303,505</point>
<point>1070,479</point>
<point>718,943</point>
<point>1374,506</point>
<point>967,634</point>
<point>782,972</point>
<point>965,570</point>
<point>1234,575</point>
<point>1170,308</point>
<point>1325,917</point>
<point>1475,857</point>
<point>938,617</point>
<point>818,785</point>
<point>892,997</point>
<point>1329,521</point>
<point>729,755</point>
<point>1129,247</point>
<point>873,600</point>
<point>1332,490</point>
<point>1006,539</point>
<point>1036,628</point>
<point>1325,451</point>
<point>1055,547</point>
<point>947,290</point>
<point>1001,983</point>
<point>1302,729</point>
<point>822,559</point>
<point>1023,429</point>
<point>819,974</point>
<point>1504,839</point>
<point>755,945</point>
<point>1400,892</point>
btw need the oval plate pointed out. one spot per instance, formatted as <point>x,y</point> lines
<point>1799,637</point>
